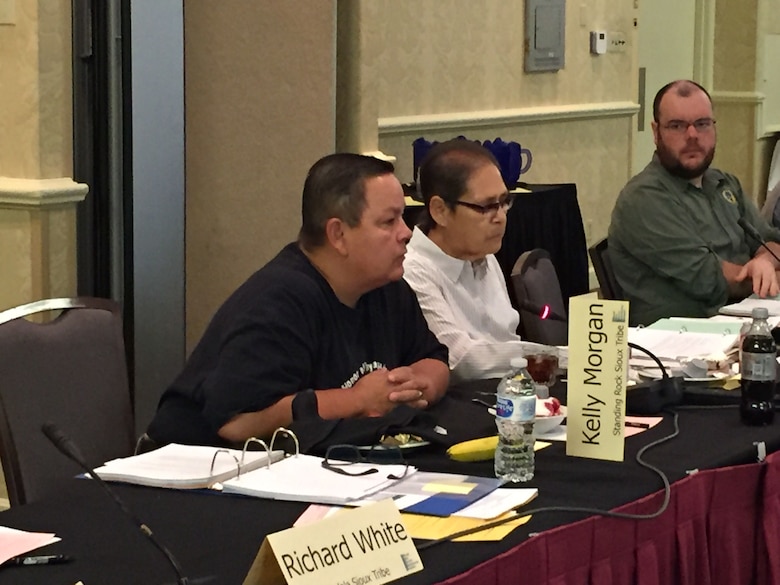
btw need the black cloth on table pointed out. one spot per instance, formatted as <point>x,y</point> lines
<point>219,535</point>
<point>549,218</point>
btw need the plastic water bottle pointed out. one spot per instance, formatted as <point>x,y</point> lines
<point>515,413</point>
<point>757,363</point>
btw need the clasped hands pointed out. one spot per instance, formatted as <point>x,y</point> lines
<point>383,389</point>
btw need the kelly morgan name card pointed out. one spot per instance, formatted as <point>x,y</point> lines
<point>360,546</point>
<point>598,365</point>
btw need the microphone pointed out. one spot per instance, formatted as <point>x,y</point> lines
<point>68,448</point>
<point>756,235</point>
<point>542,311</point>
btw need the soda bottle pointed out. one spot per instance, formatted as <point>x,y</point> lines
<point>758,363</point>
<point>515,413</point>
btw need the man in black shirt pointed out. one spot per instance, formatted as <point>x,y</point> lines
<point>330,313</point>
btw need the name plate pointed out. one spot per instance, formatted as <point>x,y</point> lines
<point>598,370</point>
<point>359,546</point>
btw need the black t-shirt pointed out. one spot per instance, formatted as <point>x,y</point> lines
<point>284,331</point>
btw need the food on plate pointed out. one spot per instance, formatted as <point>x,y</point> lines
<point>548,406</point>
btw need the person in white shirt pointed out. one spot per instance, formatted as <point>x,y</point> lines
<point>450,262</point>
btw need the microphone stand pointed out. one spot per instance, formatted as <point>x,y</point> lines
<point>756,235</point>
<point>65,446</point>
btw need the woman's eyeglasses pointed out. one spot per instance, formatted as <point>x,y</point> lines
<point>339,458</point>
<point>504,203</point>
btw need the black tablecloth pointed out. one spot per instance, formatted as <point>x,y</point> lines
<point>218,535</point>
<point>549,218</point>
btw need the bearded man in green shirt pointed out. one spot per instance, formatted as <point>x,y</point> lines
<point>674,241</point>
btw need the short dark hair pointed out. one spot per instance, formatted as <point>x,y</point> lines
<point>683,87</point>
<point>445,171</point>
<point>335,187</point>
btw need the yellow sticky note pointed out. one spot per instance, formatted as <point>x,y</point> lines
<point>455,487</point>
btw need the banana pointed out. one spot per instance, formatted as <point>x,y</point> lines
<point>474,450</point>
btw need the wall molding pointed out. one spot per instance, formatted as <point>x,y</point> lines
<point>734,97</point>
<point>509,117</point>
<point>40,193</point>
<point>754,99</point>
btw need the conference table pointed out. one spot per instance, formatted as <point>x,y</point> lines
<point>722,523</point>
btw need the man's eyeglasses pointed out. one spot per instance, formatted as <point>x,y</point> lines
<point>701,125</point>
<point>504,203</point>
<point>339,459</point>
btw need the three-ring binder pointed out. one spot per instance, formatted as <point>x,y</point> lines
<point>269,451</point>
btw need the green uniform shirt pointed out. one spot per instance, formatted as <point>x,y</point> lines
<point>667,239</point>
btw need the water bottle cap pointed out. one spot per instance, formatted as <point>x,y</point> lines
<point>760,313</point>
<point>518,362</point>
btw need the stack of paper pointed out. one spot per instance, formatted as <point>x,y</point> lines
<point>183,466</point>
<point>745,307</point>
<point>686,338</point>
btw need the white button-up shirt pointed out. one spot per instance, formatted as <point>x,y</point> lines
<point>467,307</point>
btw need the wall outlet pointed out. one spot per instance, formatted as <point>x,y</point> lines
<point>616,42</point>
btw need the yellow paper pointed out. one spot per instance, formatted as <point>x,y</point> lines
<point>597,374</point>
<point>539,445</point>
<point>459,487</point>
<point>433,527</point>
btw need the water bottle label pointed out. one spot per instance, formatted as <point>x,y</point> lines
<point>519,409</point>
<point>758,366</point>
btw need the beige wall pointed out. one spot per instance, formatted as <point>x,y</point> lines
<point>259,107</point>
<point>37,196</point>
<point>745,111</point>
<point>441,69</point>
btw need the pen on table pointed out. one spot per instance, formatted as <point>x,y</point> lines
<point>637,425</point>
<point>38,560</point>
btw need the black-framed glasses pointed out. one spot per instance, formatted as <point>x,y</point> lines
<point>504,203</point>
<point>701,125</point>
<point>339,458</point>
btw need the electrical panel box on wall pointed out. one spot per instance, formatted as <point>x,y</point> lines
<point>545,23</point>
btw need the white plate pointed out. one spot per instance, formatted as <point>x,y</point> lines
<point>544,424</point>
<point>404,447</point>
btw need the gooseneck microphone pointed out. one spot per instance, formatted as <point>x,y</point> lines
<point>542,311</point>
<point>71,451</point>
<point>756,235</point>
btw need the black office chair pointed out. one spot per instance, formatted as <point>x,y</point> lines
<point>70,371</point>
<point>602,266</point>
<point>534,280</point>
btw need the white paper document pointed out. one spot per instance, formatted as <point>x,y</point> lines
<point>745,307</point>
<point>681,344</point>
<point>302,478</point>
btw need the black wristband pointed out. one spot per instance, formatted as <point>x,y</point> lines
<point>304,405</point>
